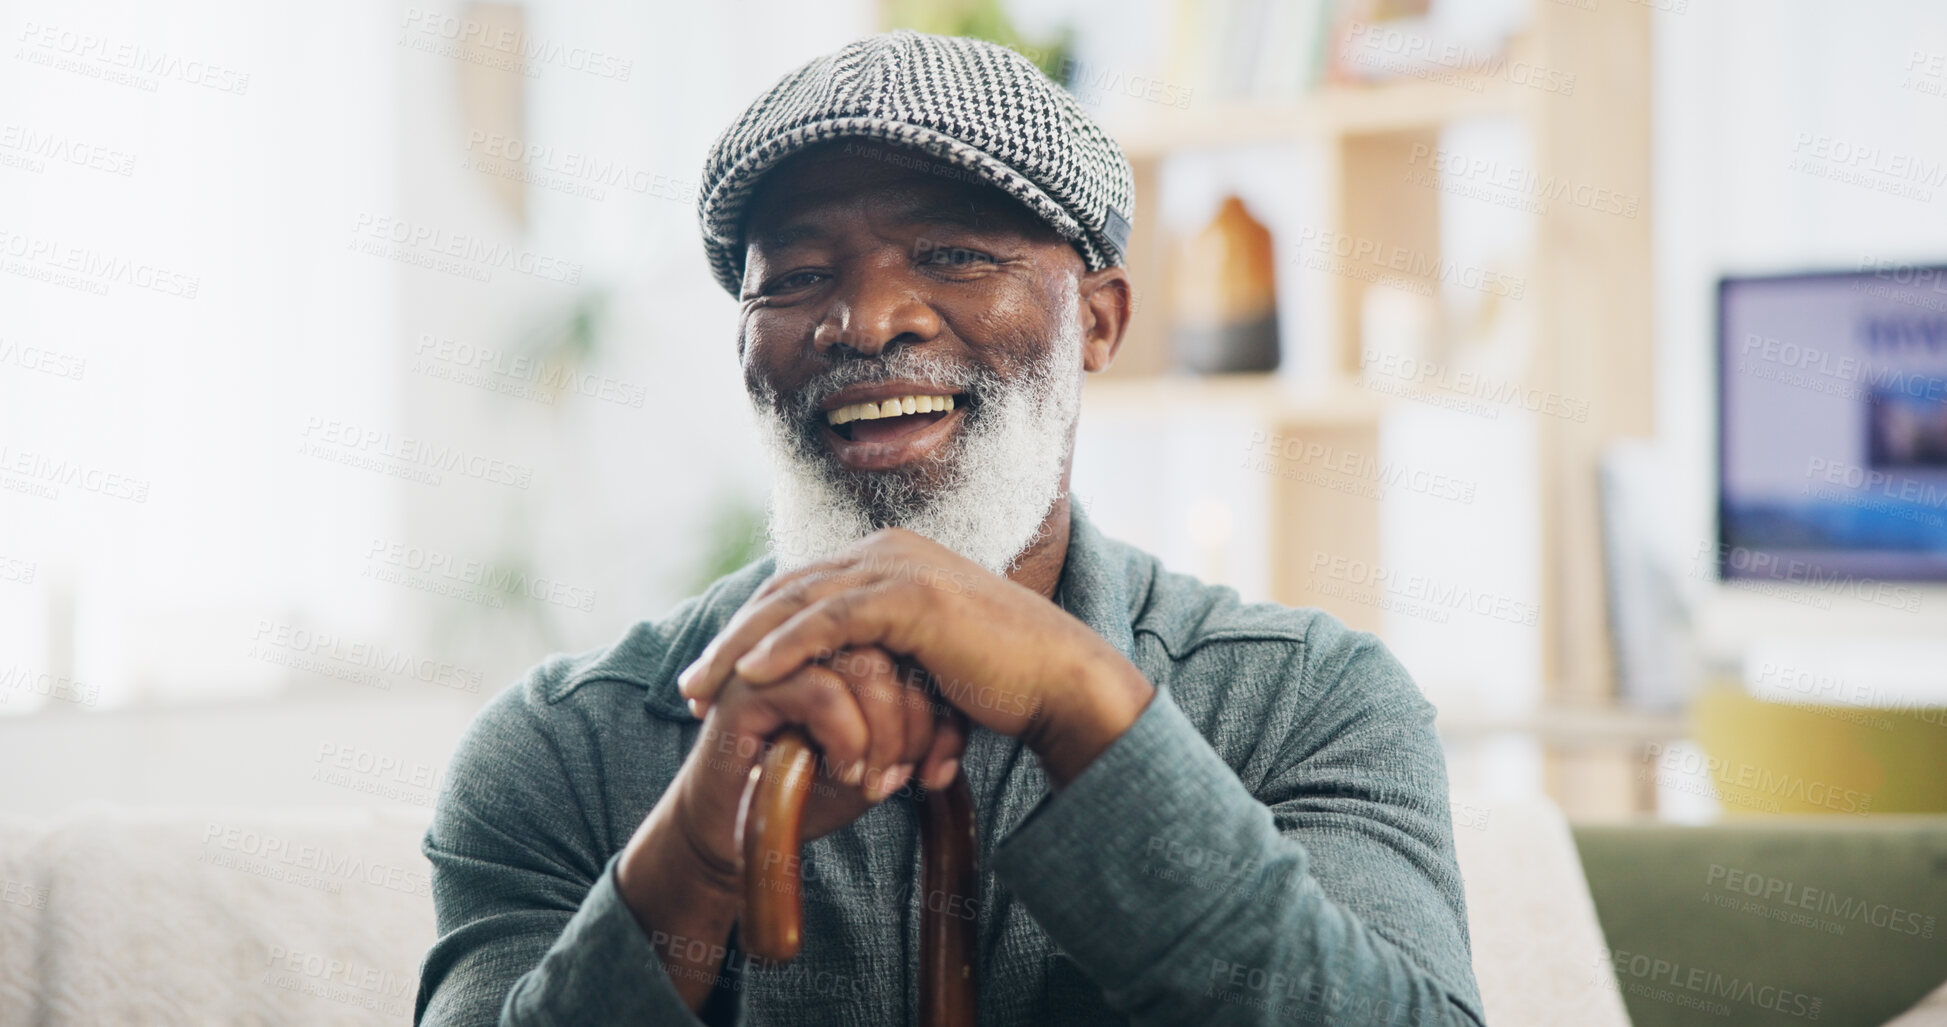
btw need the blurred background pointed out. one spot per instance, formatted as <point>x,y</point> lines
<point>1591,352</point>
<point>354,362</point>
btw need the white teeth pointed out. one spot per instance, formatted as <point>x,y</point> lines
<point>888,408</point>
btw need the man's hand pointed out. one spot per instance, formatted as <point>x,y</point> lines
<point>872,729</point>
<point>682,874</point>
<point>1005,656</point>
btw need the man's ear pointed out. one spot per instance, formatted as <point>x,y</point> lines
<point>1107,302</point>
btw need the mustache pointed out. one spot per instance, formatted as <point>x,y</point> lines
<point>904,365</point>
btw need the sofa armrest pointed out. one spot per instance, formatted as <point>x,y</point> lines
<point>1538,955</point>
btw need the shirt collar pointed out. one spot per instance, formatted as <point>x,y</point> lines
<point>1101,581</point>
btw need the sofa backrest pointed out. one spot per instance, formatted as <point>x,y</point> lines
<point>117,916</point>
<point>193,917</point>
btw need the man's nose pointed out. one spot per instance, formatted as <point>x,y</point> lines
<point>876,311</point>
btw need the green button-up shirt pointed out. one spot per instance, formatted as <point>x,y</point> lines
<point>1269,842</point>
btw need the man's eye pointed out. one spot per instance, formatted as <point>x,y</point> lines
<point>955,256</point>
<point>794,280</point>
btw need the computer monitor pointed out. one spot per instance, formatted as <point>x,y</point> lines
<point>1832,426</point>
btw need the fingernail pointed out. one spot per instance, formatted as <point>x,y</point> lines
<point>856,774</point>
<point>696,708</point>
<point>943,775</point>
<point>896,779</point>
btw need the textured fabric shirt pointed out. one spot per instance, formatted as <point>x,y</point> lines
<point>1269,842</point>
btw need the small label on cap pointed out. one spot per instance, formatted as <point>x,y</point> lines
<point>1116,228</point>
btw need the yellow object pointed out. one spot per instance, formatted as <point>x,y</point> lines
<point>1770,757</point>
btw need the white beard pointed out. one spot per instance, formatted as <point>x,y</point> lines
<point>1004,471</point>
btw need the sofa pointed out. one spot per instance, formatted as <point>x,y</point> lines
<point>118,916</point>
<point>1835,920</point>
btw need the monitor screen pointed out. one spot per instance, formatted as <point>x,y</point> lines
<point>1832,426</point>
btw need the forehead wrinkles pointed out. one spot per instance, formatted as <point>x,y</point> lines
<point>795,197</point>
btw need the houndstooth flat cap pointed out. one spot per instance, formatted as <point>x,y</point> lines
<point>974,104</point>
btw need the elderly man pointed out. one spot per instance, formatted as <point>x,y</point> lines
<point>1190,810</point>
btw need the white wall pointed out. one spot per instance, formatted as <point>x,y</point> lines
<point>1740,85</point>
<point>181,616</point>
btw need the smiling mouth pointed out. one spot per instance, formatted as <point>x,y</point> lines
<point>890,419</point>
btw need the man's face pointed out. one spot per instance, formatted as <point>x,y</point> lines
<point>871,281</point>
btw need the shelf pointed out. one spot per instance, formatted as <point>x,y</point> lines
<point>1341,110</point>
<point>1574,725</point>
<point>1264,393</point>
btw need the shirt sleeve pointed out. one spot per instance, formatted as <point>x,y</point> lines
<point>531,927</point>
<point>1329,897</point>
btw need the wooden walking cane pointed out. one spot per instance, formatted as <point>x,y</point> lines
<point>773,920</point>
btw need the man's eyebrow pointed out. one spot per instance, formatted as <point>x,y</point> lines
<point>787,234</point>
<point>965,215</point>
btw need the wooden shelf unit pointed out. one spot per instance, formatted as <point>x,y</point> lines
<point>1590,281</point>
<point>1590,291</point>
<point>1399,106</point>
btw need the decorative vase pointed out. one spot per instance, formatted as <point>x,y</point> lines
<point>1226,296</point>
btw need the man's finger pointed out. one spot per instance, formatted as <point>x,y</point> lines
<point>869,673</point>
<point>820,701</point>
<point>702,679</point>
<point>921,710</point>
<point>892,614</point>
<point>942,759</point>
<point>818,568</point>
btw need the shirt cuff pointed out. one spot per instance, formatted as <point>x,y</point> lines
<point>1141,849</point>
<point>604,970</point>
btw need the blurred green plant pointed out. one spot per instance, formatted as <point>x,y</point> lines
<point>569,338</point>
<point>563,340</point>
<point>984,19</point>
<point>736,537</point>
